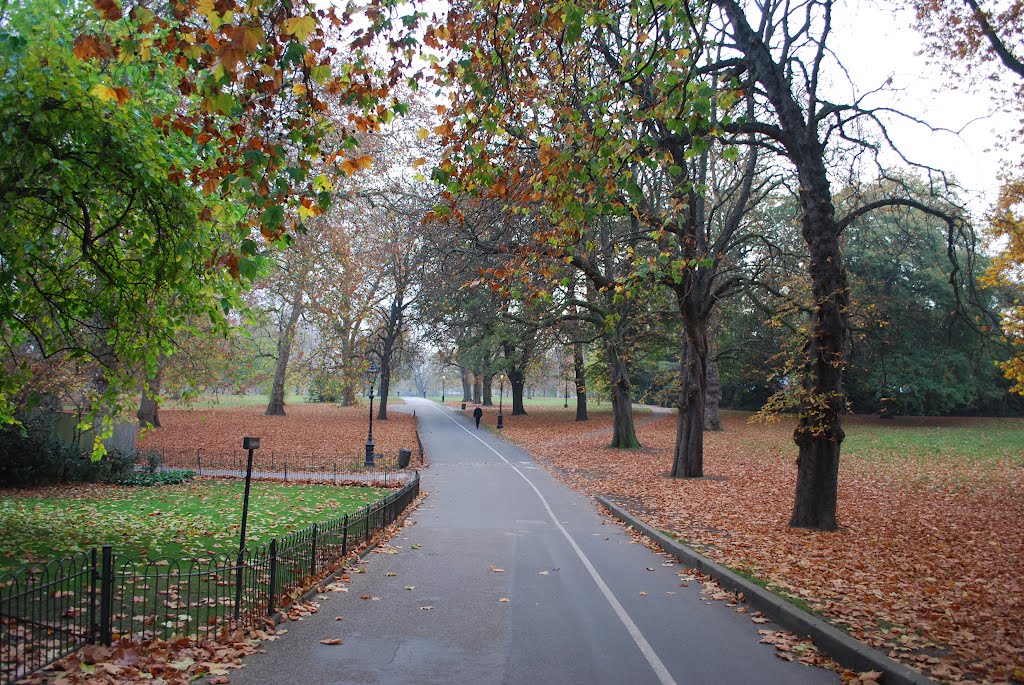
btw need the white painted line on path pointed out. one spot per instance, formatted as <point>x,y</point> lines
<point>645,647</point>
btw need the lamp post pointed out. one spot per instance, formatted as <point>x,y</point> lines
<point>501,396</point>
<point>443,379</point>
<point>371,379</point>
<point>250,444</point>
<point>567,393</point>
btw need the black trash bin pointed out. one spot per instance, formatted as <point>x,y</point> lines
<point>403,458</point>
<point>463,405</point>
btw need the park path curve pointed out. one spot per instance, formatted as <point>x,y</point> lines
<point>585,603</point>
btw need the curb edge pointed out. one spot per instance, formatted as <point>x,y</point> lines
<point>846,651</point>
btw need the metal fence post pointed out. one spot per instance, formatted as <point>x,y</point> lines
<point>199,463</point>
<point>312,559</point>
<point>273,577</point>
<point>94,626</point>
<point>286,471</point>
<point>107,597</point>
<point>238,584</point>
<point>344,538</point>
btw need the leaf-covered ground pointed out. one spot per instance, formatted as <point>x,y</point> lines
<point>928,564</point>
<point>194,519</point>
<point>320,430</point>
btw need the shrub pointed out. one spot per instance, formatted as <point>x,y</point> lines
<point>149,478</point>
<point>153,460</point>
<point>324,388</point>
<point>29,455</point>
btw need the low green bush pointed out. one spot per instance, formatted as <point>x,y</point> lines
<point>30,455</point>
<point>151,478</point>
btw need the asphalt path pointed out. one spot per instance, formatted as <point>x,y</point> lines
<point>585,603</point>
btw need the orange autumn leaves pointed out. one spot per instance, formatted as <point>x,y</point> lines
<point>308,429</point>
<point>926,564</point>
<point>239,71</point>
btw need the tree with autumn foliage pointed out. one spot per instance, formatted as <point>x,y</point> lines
<point>982,43</point>
<point>198,124</point>
<point>573,122</point>
<point>103,256</point>
<point>1006,225</point>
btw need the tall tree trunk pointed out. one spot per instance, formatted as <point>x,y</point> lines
<point>392,331</point>
<point>487,390</point>
<point>383,390</point>
<point>581,381</point>
<point>712,398</point>
<point>713,388</point>
<point>467,384</point>
<point>148,413</point>
<point>477,387</point>
<point>819,433</point>
<point>623,429</point>
<point>688,461</point>
<point>517,379</point>
<point>351,373</point>
<point>284,349</point>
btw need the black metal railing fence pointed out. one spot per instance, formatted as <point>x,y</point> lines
<point>95,597</point>
<point>316,468</point>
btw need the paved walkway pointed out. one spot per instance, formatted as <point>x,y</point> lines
<point>584,606</point>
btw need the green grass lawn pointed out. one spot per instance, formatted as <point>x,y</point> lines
<point>977,440</point>
<point>926,440</point>
<point>194,519</point>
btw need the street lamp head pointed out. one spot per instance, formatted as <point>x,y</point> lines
<point>371,374</point>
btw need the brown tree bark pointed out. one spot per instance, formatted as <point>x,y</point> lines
<point>275,407</point>
<point>148,413</point>
<point>581,381</point>
<point>713,386</point>
<point>487,390</point>
<point>467,384</point>
<point>819,433</point>
<point>391,332</point>
<point>623,428</point>
<point>517,381</point>
<point>688,460</point>
<point>712,397</point>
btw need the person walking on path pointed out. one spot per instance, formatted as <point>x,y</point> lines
<point>478,414</point>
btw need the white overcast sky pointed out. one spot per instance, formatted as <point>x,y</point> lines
<point>875,42</point>
<point>875,39</point>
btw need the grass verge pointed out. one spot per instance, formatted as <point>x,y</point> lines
<point>199,518</point>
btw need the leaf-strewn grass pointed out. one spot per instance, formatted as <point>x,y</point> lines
<point>970,441</point>
<point>183,520</point>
